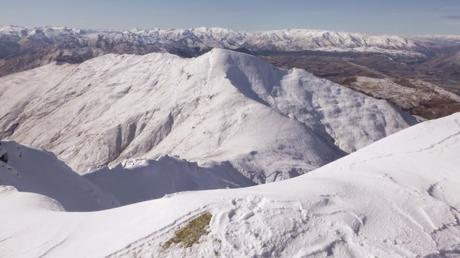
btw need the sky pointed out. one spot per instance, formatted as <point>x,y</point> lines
<point>403,17</point>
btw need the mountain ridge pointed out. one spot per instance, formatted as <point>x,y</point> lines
<point>23,48</point>
<point>116,107</point>
<point>221,37</point>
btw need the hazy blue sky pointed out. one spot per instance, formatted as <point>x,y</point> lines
<point>371,16</point>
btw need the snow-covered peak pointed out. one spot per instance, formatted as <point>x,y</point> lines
<point>270,123</point>
<point>302,39</point>
<point>206,38</point>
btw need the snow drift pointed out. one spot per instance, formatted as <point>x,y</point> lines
<point>36,171</point>
<point>31,170</point>
<point>398,197</point>
<point>142,180</point>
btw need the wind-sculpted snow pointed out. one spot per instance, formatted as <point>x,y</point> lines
<point>398,197</point>
<point>270,124</point>
<point>30,170</point>
<point>36,171</point>
<point>142,180</point>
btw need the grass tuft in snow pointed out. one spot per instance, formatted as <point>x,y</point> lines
<point>191,233</point>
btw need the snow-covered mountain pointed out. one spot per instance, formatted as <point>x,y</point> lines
<point>438,40</point>
<point>202,39</point>
<point>270,124</point>
<point>24,48</point>
<point>398,197</point>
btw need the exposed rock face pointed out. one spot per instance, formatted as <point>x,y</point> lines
<point>420,98</point>
<point>413,83</point>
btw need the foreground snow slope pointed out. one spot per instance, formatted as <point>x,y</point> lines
<point>398,197</point>
<point>31,170</point>
<point>142,180</point>
<point>269,123</point>
<point>36,171</point>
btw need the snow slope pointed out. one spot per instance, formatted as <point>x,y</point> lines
<point>270,124</point>
<point>398,197</point>
<point>142,180</point>
<point>31,170</point>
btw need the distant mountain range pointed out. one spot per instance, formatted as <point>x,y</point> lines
<point>202,39</point>
<point>24,48</point>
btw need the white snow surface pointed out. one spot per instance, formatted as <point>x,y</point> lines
<point>31,170</point>
<point>37,171</point>
<point>206,38</point>
<point>141,180</point>
<point>270,124</point>
<point>398,197</point>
